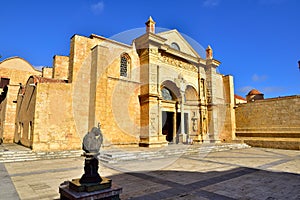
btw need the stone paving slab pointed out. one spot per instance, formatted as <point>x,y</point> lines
<point>7,188</point>
<point>253,173</point>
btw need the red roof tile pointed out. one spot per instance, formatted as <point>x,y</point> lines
<point>239,97</point>
<point>254,92</point>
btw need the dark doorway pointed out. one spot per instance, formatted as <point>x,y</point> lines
<point>167,125</point>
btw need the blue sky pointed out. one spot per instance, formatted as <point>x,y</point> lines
<point>257,41</point>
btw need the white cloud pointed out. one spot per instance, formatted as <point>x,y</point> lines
<point>211,3</point>
<point>259,78</point>
<point>98,7</point>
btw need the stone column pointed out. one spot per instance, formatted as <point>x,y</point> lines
<point>211,66</point>
<point>181,83</point>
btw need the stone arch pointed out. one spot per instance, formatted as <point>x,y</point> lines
<point>191,94</point>
<point>171,86</point>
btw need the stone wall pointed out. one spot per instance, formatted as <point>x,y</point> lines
<point>2,118</point>
<point>17,70</point>
<point>54,126</point>
<point>271,122</point>
<point>24,121</point>
<point>9,109</point>
<point>228,125</point>
<point>47,72</point>
<point>60,67</point>
<point>117,105</point>
<point>95,76</point>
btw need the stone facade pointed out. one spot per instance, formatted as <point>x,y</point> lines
<point>156,91</point>
<point>273,122</point>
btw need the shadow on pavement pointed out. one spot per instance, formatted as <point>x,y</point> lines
<point>238,183</point>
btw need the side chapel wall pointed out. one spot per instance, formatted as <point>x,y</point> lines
<point>271,123</point>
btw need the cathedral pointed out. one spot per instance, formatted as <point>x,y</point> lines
<point>154,92</point>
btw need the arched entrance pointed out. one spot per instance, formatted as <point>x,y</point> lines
<point>170,120</point>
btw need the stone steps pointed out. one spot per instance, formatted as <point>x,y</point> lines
<point>28,155</point>
<point>118,155</point>
<point>176,150</point>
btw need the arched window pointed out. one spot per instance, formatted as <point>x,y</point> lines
<point>174,45</point>
<point>124,65</point>
<point>166,94</point>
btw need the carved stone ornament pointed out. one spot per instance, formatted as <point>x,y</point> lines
<point>178,63</point>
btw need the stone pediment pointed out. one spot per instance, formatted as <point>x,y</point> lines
<point>175,40</point>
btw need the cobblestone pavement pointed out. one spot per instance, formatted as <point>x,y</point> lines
<point>253,173</point>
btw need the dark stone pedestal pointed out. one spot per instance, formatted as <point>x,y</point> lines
<point>91,166</point>
<point>74,190</point>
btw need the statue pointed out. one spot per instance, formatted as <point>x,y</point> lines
<point>90,185</point>
<point>91,144</point>
<point>92,141</point>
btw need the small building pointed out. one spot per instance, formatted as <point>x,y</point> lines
<point>254,95</point>
<point>238,99</point>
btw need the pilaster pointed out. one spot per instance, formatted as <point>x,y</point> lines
<point>147,48</point>
<point>98,65</point>
<point>213,129</point>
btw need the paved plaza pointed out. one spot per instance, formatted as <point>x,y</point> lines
<point>250,173</point>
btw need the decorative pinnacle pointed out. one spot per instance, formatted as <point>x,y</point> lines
<point>209,52</point>
<point>150,20</point>
<point>150,25</point>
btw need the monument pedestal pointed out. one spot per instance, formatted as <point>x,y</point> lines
<point>90,186</point>
<point>74,190</point>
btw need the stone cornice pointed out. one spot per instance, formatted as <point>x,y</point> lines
<point>213,62</point>
<point>147,39</point>
<point>110,40</point>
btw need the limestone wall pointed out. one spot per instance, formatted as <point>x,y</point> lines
<point>54,126</point>
<point>9,111</point>
<point>17,70</point>
<point>228,125</point>
<point>117,105</point>
<point>47,72</point>
<point>94,72</point>
<point>2,117</point>
<point>270,123</point>
<point>60,67</point>
<point>222,105</point>
<point>24,121</point>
